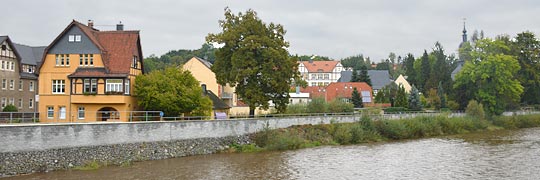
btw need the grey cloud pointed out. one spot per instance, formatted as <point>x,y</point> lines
<point>337,28</point>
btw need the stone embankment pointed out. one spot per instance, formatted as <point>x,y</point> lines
<point>46,147</point>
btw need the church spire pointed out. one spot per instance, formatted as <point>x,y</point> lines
<point>464,31</point>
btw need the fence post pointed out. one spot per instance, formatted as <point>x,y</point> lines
<point>10,117</point>
<point>146,116</point>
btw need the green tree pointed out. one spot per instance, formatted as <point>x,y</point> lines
<point>442,95</point>
<point>254,59</point>
<point>10,108</point>
<point>172,91</point>
<point>414,100</point>
<point>527,49</point>
<point>364,76</point>
<point>410,72</point>
<point>354,76</point>
<point>354,62</point>
<point>356,99</point>
<point>440,70</point>
<point>380,97</point>
<point>401,98</point>
<point>423,74</point>
<point>492,75</point>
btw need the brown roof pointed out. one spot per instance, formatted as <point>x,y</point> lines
<point>320,66</point>
<point>117,47</point>
<point>93,72</point>
<point>344,89</point>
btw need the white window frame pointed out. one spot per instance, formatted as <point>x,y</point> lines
<point>20,103</point>
<point>89,84</point>
<point>80,112</point>
<point>30,103</point>
<point>58,86</point>
<point>61,112</point>
<point>4,83</point>
<point>111,86</point>
<point>21,84</point>
<point>12,101</point>
<point>71,38</point>
<point>11,84</point>
<point>77,38</point>
<point>50,112</point>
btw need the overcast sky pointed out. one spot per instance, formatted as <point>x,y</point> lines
<point>336,28</point>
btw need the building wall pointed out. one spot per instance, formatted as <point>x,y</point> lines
<point>203,74</point>
<point>20,95</point>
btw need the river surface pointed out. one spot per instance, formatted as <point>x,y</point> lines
<point>489,155</point>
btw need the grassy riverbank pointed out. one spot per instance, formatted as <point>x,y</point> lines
<point>366,130</point>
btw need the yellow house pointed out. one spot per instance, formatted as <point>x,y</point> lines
<point>201,70</point>
<point>401,81</point>
<point>87,75</point>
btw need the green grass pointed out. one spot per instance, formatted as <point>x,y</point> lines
<point>366,130</point>
<point>91,165</point>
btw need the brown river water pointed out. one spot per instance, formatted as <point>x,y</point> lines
<point>489,155</point>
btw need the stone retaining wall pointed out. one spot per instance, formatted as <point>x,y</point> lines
<point>45,147</point>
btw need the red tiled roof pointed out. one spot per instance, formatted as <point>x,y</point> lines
<point>117,47</point>
<point>344,89</point>
<point>314,91</point>
<point>120,48</point>
<point>320,66</point>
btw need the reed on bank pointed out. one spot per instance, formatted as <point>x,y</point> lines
<point>367,130</point>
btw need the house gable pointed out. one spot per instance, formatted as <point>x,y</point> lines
<point>73,45</point>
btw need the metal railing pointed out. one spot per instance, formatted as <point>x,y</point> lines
<point>19,117</point>
<point>142,116</point>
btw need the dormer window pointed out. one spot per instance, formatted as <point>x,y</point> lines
<point>74,38</point>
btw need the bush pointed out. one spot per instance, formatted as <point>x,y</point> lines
<point>476,110</point>
<point>453,105</point>
<point>10,108</point>
<point>392,129</point>
<point>317,105</point>
<point>338,106</point>
<point>296,109</point>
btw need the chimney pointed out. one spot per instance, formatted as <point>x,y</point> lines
<point>120,26</point>
<point>90,23</point>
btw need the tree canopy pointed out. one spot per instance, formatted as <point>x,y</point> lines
<point>491,76</point>
<point>254,59</point>
<point>172,91</point>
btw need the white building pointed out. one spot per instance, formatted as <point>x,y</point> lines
<point>320,73</point>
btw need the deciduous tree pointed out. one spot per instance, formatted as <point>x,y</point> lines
<point>492,74</point>
<point>172,91</point>
<point>254,59</point>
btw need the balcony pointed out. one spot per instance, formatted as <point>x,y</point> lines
<point>99,99</point>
